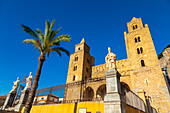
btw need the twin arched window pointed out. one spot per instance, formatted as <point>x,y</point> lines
<point>137,39</point>
<point>135,26</point>
<point>75,68</point>
<point>140,50</point>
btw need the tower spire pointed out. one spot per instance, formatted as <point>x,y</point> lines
<point>82,41</point>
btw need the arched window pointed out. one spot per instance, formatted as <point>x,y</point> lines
<point>87,70</point>
<point>138,38</point>
<point>133,27</point>
<point>138,51</point>
<point>141,50</point>
<point>75,68</point>
<point>90,75</point>
<point>142,63</point>
<point>88,60</point>
<point>74,77</point>
<point>76,58</point>
<point>136,26</point>
<point>85,77</point>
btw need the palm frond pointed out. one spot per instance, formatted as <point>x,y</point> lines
<point>52,34</point>
<point>52,24</point>
<point>35,42</point>
<point>47,26</point>
<point>63,37</point>
<point>56,44</point>
<point>29,31</point>
<point>29,41</point>
<point>47,42</point>
<point>62,49</point>
<point>58,51</point>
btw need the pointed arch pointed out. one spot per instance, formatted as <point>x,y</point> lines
<point>88,94</point>
<point>101,92</point>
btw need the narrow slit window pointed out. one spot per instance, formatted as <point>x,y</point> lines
<point>142,63</point>
<point>136,40</point>
<point>138,51</point>
<point>88,61</point>
<point>87,70</point>
<point>85,77</point>
<point>136,26</point>
<point>133,27</point>
<point>141,50</point>
<point>74,77</point>
<point>90,75</point>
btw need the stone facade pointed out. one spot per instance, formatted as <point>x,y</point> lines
<point>140,71</point>
<point>165,61</point>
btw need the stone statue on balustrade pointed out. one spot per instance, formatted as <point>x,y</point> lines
<point>28,82</point>
<point>110,59</point>
<point>11,95</point>
<point>24,93</point>
<point>15,86</point>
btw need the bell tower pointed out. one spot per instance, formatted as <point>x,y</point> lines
<point>80,68</point>
<point>145,70</point>
<point>139,45</point>
<point>80,64</point>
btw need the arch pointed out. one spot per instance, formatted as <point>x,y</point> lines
<point>136,40</point>
<point>124,90</point>
<point>125,85</point>
<point>88,94</point>
<point>142,63</point>
<point>101,92</point>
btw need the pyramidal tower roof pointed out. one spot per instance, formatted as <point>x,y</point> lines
<point>83,41</point>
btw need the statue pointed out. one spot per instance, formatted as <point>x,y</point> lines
<point>110,59</point>
<point>28,82</point>
<point>15,86</point>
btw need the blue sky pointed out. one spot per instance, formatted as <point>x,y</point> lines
<point>101,22</point>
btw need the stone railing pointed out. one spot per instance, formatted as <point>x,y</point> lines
<point>132,100</point>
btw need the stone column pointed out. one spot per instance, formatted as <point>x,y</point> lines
<point>112,99</point>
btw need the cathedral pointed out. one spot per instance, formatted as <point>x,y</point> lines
<point>140,71</point>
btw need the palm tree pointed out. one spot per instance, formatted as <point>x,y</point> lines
<point>46,43</point>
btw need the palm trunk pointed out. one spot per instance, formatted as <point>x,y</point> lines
<point>35,85</point>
